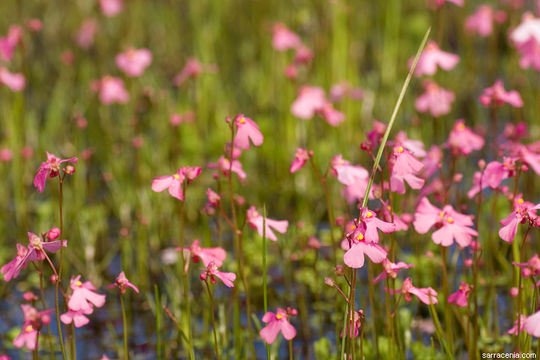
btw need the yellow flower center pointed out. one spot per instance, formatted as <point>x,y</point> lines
<point>389,207</point>
<point>360,236</point>
<point>450,220</point>
<point>176,176</point>
<point>441,214</point>
<point>279,316</point>
<point>78,283</point>
<point>460,127</point>
<point>242,120</point>
<point>400,149</point>
<point>255,214</point>
<point>352,227</point>
<point>29,328</point>
<point>369,214</point>
<point>521,201</point>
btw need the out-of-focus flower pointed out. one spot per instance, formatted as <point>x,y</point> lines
<point>14,81</point>
<point>133,62</point>
<point>9,42</point>
<point>224,165</point>
<point>391,270</point>
<point>404,168</point>
<point>111,8</point>
<point>83,295</point>
<point>496,96</point>
<point>524,211</point>
<point>426,295</point>
<point>212,272</point>
<point>284,39</point>
<point>300,159</point>
<point>460,296</point>
<point>255,220</point>
<point>192,69</point>
<point>123,283</point>
<point>481,22</point>
<point>433,56</point>
<point>435,100</point>
<point>33,321</point>
<point>174,182</point>
<point>462,140</point>
<point>111,90</point>
<point>85,35</point>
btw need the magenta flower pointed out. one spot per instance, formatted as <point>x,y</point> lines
<point>277,323</point>
<point>532,324</point>
<point>404,168</point>
<point>530,54</point>
<point>452,225</point>
<point>9,42</point>
<point>481,22</point>
<point>284,39</point>
<point>496,96</point>
<point>300,159</point>
<point>224,165</point>
<point>50,168</point>
<point>391,270</point>
<point>207,255</point>
<point>133,62</point>
<point>111,8</point>
<point>78,318</point>
<point>123,283</point>
<point>247,130</point>
<point>11,269</point>
<point>14,81</point>
<point>192,69</point>
<point>255,220</point>
<point>111,90</point>
<point>174,182</point>
<point>212,272</point>
<point>432,57</point>
<point>460,296</point>
<point>462,140</point>
<point>426,295</point>
<point>524,211</point>
<point>32,324</point>
<point>83,295</point>
<point>436,100</point>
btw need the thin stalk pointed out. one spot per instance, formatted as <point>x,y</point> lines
<point>124,323</point>
<point>42,295</point>
<point>291,357</point>
<point>158,322</point>
<point>214,328</point>
<point>439,331</point>
<point>447,314</point>
<point>58,278</point>
<point>519,302</point>
<point>379,155</point>
<point>265,291</point>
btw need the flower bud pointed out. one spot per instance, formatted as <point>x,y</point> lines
<point>69,170</point>
<point>53,234</point>
<point>339,270</point>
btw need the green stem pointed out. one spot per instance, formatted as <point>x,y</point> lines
<point>210,297</point>
<point>124,323</point>
<point>265,291</point>
<point>447,314</point>
<point>58,278</point>
<point>291,357</point>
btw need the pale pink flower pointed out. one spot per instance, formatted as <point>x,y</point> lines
<point>357,247</point>
<point>192,69</point>
<point>435,4</point>
<point>213,201</point>
<point>391,270</point>
<point>224,165</point>
<point>354,324</point>
<point>277,323</point>
<point>284,39</point>
<point>78,318</point>
<point>255,220</point>
<point>405,167</point>
<point>50,168</point>
<point>14,81</point>
<point>303,54</point>
<point>435,100</point>
<point>34,25</point>
<point>401,222</point>
<point>174,182</point>
<point>300,159</point>
<point>11,269</point>
<point>532,324</point>
<point>514,330</point>
<point>111,7</point>
<point>310,100</point>
<point>123,283</point>
<point>9,42</point>
<point>432,161</point>
<point>433,56</point>
<point>462,140</point>
<point>32,324</point>
<point>416,147</point>
<point>496,172</point>
<point>207,255</point>
<point>133,62</point>
<point>481,22</point>
<point>529,29</point>
<point>83,296</point>
<point>460,296</point>
<point>111,90</point>
<point>6,155</point>
<point>85,35</point>
<point>426,295</point>
<point>246,130</point>
<point>524,211</point>
<point>332,116</point>
<point>453,225</point>
<point>531,267</point>
<point>496,96</point>
<point>212,272</point>
<point>530,54</point>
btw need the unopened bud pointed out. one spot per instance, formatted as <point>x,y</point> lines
<point>339,270</point>
<point>329,281</point>
<point>53,234</point>
<point>69,170</point>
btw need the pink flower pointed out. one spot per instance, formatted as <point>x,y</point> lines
<point>207,255</point>
<point>9,42</point>
<point>246,130</point>
<point>530,54</point>
<point>78,318</point>
<point>111,7</point>
<point>11,269</point>
<point>310,100</point>
<point>432,161</point>
<point>481,22</point>
<point>14,81</point>
<point>133,62</point>
<point>123,283</point>
<point>401,222</point>
<point>87,31</point>
<point>6,155</point>
<point>192,69</point>
<point>496,96</point>
<point>212,272</point>
<point>496,172</point>
<point>284,39</point>
<point>529,29</point>
<point>391,269</point>
<point>354,324</point>
<point>255,220</point>
<point>111,90</point>
<point>277,323</point>
<point>426,295</point>
<point>436,100</point>
<point>524,211</point>
<point>83,295</point>
<point>50,168</point>
<point>435,4</point>
<point>531,267</point>
<point>453,226</point>
<point>300,159</point>
<point>460,296</point>
<point>462,140</point>
<point>514,330</point>
<point>224,165</point>
<point>213,201</point>
<point>174,182</point>
<point>33,321</point>
<point>404,169</point>
<point>532,324</point>
<point>432,57</point>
